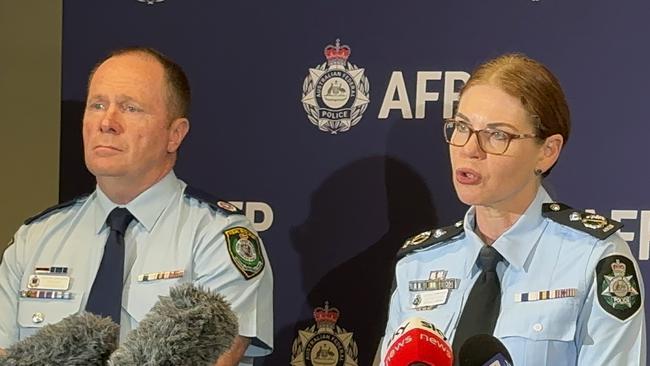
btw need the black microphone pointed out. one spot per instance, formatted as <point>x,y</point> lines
<point>484,350</point>
<point>191,326</point>
<point>77,340</point>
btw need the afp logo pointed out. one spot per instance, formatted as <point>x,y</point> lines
<point>335,93</point>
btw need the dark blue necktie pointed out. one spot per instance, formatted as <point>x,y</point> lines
<point>481,310</point>
<point>105,297</point>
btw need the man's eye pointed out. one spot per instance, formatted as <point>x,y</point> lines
<point>98,106</point>
<point>131,109</point>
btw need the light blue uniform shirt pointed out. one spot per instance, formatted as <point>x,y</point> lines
<point>540,254</point>
<point>171,232</point>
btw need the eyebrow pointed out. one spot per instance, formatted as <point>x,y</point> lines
<point>120,98</point>
<point>491,124</point>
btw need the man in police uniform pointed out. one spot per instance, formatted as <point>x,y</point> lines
<point>134,123</point>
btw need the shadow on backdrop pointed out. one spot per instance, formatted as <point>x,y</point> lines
<point>347,247</point>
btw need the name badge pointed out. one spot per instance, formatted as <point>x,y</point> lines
<point>48,282</point>
<point>429,299</point>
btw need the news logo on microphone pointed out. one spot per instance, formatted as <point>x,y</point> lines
<point>418,342</point>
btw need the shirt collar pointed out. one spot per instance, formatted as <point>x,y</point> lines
<point>516,243</point>
<point>146,207</point>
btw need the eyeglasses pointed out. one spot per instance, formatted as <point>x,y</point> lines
<point>490,140</point>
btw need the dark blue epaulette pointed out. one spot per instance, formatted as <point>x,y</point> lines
<point>429,238</point>
<point>224,207</point>
<point>596,225</point>
<point>50,210</point>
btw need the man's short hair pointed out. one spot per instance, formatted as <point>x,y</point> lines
<point>178,86</point>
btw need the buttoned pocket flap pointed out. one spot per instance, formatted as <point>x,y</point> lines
<point>36,313</point>
<point>144,295</point>
<point>540,320</point>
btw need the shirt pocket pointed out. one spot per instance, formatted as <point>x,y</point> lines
<point>540,332</point>
<point>34,314</point>
<point>144,295</point>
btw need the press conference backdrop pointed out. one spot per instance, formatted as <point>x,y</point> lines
<point>338,159</point>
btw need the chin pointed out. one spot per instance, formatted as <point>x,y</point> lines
<point>471,196</point>
<point>105,170</point>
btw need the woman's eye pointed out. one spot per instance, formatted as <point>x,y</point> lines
<point>499,135</point>
<point>462,128</point>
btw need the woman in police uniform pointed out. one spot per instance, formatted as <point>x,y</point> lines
<point>557,286</point>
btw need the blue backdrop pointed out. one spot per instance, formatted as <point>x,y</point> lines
<point>332,208</point>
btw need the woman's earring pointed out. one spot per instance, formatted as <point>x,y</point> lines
<point>538,172</point>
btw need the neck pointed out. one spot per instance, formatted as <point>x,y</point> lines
<point>492,221</point>
<point>121,190</point>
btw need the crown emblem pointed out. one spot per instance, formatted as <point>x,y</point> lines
<point>618,268</point>
<point>326,317</point>
<point>337,54</point>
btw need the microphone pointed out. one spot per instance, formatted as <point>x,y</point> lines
<point>484,350</point>
<point>77,340</point>
<point>191,326</point>
<point>418,343</point>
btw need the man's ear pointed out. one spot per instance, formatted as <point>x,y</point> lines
<point>178,129</point>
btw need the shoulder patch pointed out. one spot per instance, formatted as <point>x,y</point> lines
<point>429,238</point>
<point>50,210</point>
<point>617,286</point>
<point>596,225</point>
<point>245,251</point>
<point>221,206</point>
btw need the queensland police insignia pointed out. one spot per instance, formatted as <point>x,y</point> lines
<point>618,286</point>
<point>324,343</point>
<point>335,93</point>
<point>245,251</point>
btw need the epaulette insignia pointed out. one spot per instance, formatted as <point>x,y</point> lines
<point>596,225</point>
<point>430,237</point>
<point>223,207</point>
<point>54,208</point>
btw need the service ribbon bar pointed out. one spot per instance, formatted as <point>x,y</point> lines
<point>546,295</point>
<point>44,294</point>
<point>160,276</point>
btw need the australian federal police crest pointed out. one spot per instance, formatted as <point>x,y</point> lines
<point>335,93</point>
<point>324,344</point>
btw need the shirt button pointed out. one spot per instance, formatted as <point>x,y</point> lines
<point>38,318</point>
<point>538,327</point>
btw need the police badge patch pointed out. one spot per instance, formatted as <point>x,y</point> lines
<point>618,286</point>
<point>335,93</point>
<point>245,252</point>
<point>324,343</point>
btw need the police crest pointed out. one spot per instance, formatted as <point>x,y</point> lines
<point>335,93</point>
<point>245,251</point>
<point>618,286</point>
<point>325,343</point>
